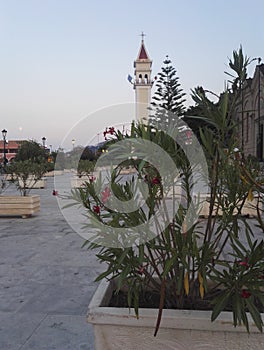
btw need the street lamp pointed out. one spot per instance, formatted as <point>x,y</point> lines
<point>73,143</point>
<point>43,141</point>
<point>4,132</point>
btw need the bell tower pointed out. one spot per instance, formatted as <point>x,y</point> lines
<point>142,82</point>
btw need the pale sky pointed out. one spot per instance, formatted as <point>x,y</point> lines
<point>62,60</point>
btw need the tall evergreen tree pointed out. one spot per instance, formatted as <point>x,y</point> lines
<point>168,100</point>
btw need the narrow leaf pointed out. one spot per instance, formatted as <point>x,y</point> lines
<point>186,283</point>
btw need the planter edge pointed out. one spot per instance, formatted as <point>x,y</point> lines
<point>173,319</point>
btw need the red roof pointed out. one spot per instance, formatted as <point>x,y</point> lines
<point>11,144</point>
<point>143,54</point>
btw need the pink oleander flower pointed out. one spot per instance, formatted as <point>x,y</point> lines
<point>141,270</point>
<point>155,181</point>
<point>244,263</point>
<point>245,294</point>
<point>92,178</point>
<point>111,130</point>
<point>105,194</point>
<point>96,209</point>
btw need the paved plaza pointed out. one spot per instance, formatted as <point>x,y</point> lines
<point>46,281</point>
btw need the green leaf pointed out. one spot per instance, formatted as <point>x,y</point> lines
<point>122,276</point>
<point>168,266</point>
<point>104,275</point>
<point>254,312</point>
<point>237,306</point>
<point>220,304</point>
<point>224,104</point>
<point>245,319</point>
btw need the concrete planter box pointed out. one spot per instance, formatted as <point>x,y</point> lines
<point>249,208</point>
<point>32,183</point>
<point>127,171</point>
<point>78,182</point>
<point>54,173</point>
<point>9,177</point>
<point>117,328</point>
<point>19,205</point>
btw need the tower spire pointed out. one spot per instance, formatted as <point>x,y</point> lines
<point>142,55</point>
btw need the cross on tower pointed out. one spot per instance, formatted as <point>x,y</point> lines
<point>142,36</point>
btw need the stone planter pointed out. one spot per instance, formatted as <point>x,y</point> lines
<point>9,177</point>
<point>248,209</point>
<point>118,328</point>
<point>32,183</point>
<point>19,205</point>
<point>54,173</point>
<point>127,171</point>
<point>79,182</point>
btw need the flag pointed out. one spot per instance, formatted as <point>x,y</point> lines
<point>129,78</point>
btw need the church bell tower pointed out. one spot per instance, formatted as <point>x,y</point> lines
<point>142,82</point>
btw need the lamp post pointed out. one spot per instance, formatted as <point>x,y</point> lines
<point>43,141</point>
<point>73,143</point>
<point>4,132</point>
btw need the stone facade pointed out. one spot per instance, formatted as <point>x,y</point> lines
<point>250,115</point>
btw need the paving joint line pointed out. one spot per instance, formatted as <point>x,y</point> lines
<point>34,330</point>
